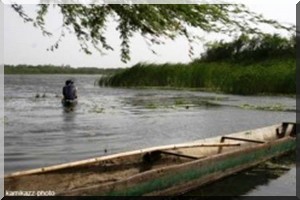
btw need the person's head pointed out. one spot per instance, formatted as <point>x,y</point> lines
<point>68,82</point>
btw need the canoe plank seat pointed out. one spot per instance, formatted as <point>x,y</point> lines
<point>153,156</point>
<point>223,138</point>
<point>181,155</point>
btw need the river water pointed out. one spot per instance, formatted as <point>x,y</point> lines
<point>38,132</point>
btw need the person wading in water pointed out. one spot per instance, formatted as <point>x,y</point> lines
<point>69,91</point>
<point>69,100</point>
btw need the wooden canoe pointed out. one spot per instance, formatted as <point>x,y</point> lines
<point>164,170</point>
<point>69,103</point>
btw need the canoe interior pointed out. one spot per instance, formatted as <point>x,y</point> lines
<point>111,169</point>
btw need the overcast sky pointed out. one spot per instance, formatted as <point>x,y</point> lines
<point>24,44</point>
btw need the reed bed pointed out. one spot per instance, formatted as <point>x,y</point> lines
<point>272,76</point>
<point>244,66</point>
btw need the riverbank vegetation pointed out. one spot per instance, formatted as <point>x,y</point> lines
<point>51,69</point>
<point>264,64</point>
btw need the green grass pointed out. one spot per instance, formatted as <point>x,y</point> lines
<point>272,76</point>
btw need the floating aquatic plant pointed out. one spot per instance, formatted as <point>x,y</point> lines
<point>97,109</point>
<point>275,107</point>
<point>151,106</point>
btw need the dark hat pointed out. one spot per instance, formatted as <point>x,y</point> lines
<point>68,82</point>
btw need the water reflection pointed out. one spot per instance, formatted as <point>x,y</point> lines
<point>68,116</point>
<point>247,182</point>
<point>69,123</point>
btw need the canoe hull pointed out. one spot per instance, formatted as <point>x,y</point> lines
<point>176,180</point>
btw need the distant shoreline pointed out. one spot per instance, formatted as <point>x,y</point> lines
<point>51,69</point>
